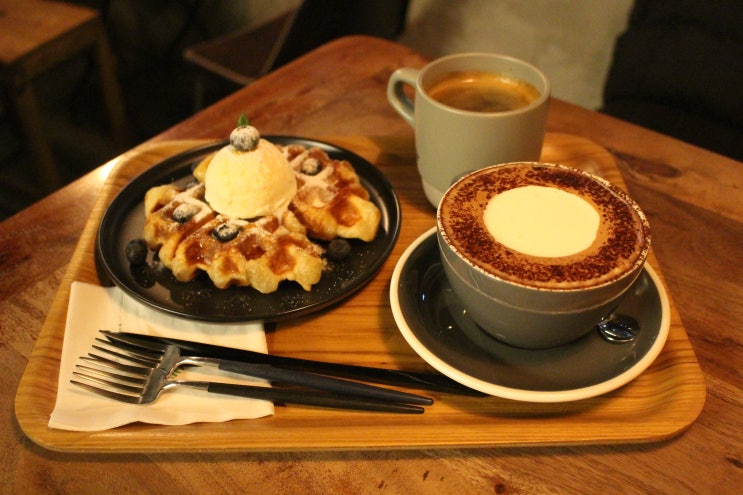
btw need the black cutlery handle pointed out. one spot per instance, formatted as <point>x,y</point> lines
<point>411,379</point>
<point>321,382</point>
<point>311,398</point>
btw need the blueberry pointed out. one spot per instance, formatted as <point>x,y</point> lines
<point>245,138</point>
<point>226,232</point>
<point>136,251</point>
<point>311,166</point>
<point>185,212</point>
<point>338,249</point>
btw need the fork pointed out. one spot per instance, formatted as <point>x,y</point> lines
<point>168,358</point>
<point>146,386</point>
<point>435,382</point>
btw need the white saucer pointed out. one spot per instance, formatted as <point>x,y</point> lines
<point>432,320</point>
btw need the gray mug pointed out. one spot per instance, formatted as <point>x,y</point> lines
<point>451,141</point>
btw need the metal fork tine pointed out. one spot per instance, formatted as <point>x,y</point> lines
<point>124,379</point>
<point>100,360</point>
<point>130,399</point>
<point>129,356</point>
<point>132,389</point>
<point>142,390</point>
<point>126,350</point>
<point>140,343</point>
<point>135,349</point>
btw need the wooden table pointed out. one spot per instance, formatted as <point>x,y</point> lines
<point>691,196</point>
<point>36,36</point>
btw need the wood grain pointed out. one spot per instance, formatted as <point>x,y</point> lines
<point>659,404</point>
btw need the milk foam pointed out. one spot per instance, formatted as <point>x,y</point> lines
<point>542,221</point>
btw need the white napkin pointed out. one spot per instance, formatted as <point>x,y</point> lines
<point>92,308</point>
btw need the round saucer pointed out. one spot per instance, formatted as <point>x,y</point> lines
<point>432,320</point>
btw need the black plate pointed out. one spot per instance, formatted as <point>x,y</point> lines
<point>199,299</point>
<point>433,321</point>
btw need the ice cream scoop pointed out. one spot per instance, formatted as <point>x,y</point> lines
<point>249,181</point>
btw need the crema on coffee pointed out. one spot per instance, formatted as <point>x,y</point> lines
<point>544,226</point>
<point>480,91</point>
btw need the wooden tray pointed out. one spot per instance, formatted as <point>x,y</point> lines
<point>659,404</point>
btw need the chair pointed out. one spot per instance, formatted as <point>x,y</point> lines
<point>247,54</point>
<point>35,36</point>
<point>677,69</point>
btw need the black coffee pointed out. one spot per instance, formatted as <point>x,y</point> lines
<point>479,91</point>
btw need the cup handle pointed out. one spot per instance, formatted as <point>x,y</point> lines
<point>397,97</point>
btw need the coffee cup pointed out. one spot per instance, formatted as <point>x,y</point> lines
<point>469,111</point>
<point>539,253</point>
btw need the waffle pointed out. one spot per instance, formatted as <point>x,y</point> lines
<point>190,237</point>
<point>330,200</point>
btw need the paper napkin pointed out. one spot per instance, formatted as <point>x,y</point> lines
<point>93,308</point>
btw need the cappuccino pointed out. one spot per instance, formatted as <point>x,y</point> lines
<point>544,226</point>
<point>479,91</point>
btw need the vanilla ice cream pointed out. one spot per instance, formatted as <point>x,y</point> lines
<point>249,183</point>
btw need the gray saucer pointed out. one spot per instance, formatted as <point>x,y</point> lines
<point>432,320</point>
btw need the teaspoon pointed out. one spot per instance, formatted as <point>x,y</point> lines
<point>618,328</point>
